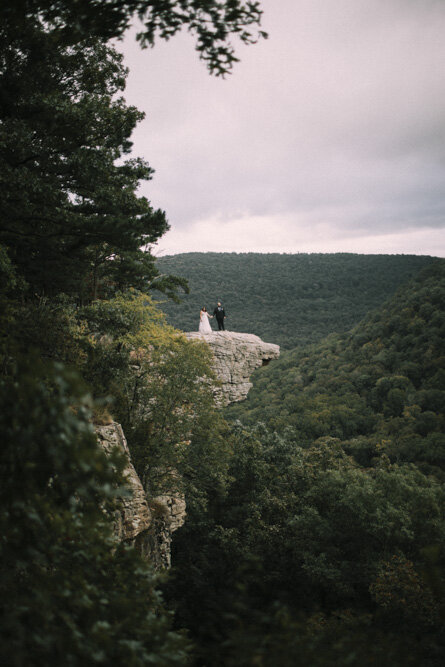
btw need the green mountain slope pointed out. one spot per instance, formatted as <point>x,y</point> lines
<point>287,299</point>
<point>378,389</point>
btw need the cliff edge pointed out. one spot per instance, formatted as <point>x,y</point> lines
<point>236,356</point>
<point>134,515</point>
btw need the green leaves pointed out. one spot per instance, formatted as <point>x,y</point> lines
<point>69,594</point>
<point>310,534</point>
<point>160,383</point>
<point>211,22</point>
<point>378,389</point>
<point>71,218</point>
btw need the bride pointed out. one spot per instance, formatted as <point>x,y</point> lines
<point>204,324</point>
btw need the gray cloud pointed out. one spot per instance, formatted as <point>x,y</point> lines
<point>337,120</point>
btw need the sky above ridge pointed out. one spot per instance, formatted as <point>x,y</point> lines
<point>328,137</point>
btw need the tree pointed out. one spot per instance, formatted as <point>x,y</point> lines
<point>211,21</point>
<point>69,593</point>
<point>160,384</point>
<point>302,547</point>
<point>378,388</point>
<point>71,219</point>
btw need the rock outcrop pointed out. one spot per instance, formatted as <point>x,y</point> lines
<point>134,515</point>
<point>236,356</point>
<point>168,515</point>
<point>150,523</point>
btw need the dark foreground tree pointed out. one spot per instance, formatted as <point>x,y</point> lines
<point>69,594</point>
<point>70,216</point>
<point>70,219</point>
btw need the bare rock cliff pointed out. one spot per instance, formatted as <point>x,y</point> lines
<point>134,515</point>
<point>169,514</point>
<point>148,524</point>
<point>236,356</point>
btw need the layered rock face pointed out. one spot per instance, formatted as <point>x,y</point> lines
<point>149,525</point>
<point>134,515</point>
<point>236,356</point>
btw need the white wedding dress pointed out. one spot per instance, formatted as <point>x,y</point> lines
<point>204,324</point>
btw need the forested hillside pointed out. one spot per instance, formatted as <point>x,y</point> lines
<point>286,299</point>
<point>377,389</point>
<point>326,544</point>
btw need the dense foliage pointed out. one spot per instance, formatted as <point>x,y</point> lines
<point>286,299</point>
<point>74,230</point>
<point>69,594</point>
<point>379,388</point>
<point>154,381</point>
<point>159,383</point>
<point>326,544</point>
<point>70,216</point>
<point>293,552</point>
<point>305,558</point>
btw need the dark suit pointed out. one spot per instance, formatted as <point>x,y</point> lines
<point>220,315</point>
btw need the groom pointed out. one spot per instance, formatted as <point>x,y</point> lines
<point>220,316</point>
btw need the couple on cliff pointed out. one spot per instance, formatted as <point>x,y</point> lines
<point>218,313</point>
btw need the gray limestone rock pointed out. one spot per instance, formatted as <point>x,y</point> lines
<point>134,515</point>
<point>149,525</point>
<point>236,356</point>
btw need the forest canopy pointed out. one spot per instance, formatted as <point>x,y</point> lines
<point>326,544</point>
<point>378,389</point>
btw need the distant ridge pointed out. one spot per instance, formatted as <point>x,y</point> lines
<point>377,389</point>
<point>287,299</point>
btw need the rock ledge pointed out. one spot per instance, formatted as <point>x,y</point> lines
<point>236,356</point>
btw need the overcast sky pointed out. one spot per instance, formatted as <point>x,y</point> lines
<point>327,137</point>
